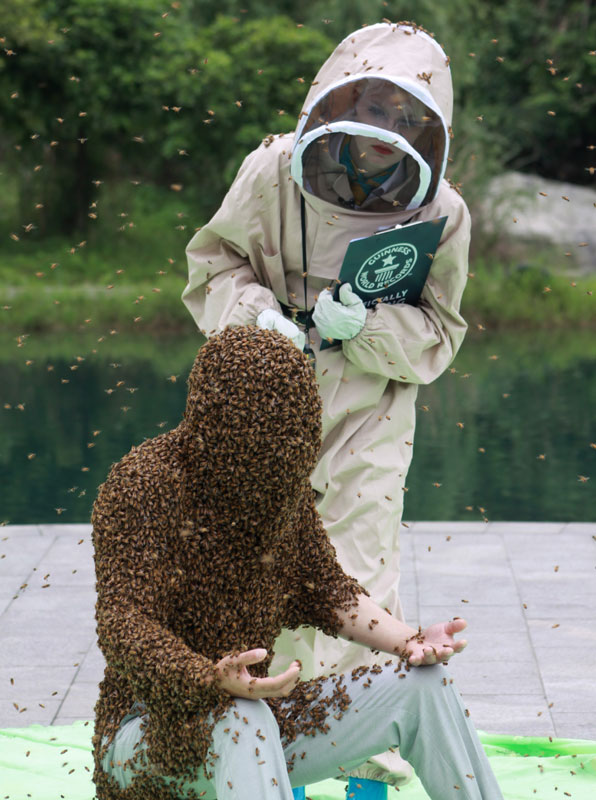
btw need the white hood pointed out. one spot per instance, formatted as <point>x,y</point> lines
<point>406,60</point>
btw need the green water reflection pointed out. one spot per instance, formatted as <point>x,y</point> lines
<point>507,435</point>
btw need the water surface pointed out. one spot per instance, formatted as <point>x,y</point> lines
<point>508,433</point>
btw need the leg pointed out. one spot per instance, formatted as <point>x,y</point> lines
<point>250,760</point>
<point>423,714</point>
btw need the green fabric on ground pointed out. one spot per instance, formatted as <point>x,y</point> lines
<point>46,763</point>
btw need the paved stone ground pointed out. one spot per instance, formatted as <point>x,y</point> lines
<point>528,591</point>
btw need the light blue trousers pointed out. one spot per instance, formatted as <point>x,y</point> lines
<point>422,713</point>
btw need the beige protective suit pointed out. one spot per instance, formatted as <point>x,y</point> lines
<point>249,258</point>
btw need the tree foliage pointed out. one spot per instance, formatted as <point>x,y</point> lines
<point>177,93</point>
<point>74,101</point>
<point>234,84</point>
<point>536,77</point>
<point>129,88</point>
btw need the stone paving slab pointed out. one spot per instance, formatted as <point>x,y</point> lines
<point>80,701</point>
<point>512,714</point>
<point>20,554</point>
<point>458,591</point>
<point>26,530</point>
<point>574,725</point>
<point>497,678</point>
<point>529,667</point>
<point>558,592</point>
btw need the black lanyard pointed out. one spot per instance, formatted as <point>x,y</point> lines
<point>307,314</point>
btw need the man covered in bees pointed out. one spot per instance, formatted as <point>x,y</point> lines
<point>207,542</point>
<point>369,152</point>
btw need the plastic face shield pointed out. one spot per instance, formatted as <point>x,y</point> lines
<point>375,102</point>
<point>384,111</point>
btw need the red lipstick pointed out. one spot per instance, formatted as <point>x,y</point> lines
<point>384,151</point>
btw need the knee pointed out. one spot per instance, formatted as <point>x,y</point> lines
<point>427,679</point>
<point>251,716</point>
<point>416,684</point>
<point>246,727</point>
<point>256,711</point>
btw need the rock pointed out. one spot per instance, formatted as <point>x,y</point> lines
<point>532,210</point>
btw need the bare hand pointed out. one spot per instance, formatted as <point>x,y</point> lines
<point>436,643</point>
<point>235,678</point>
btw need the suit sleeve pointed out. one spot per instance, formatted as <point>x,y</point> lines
<point>223,288</point>
<point>415,344</point>
<point>131,566</point>
<point>317,583</point>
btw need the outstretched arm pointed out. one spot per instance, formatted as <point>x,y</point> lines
<point>328,599</point>
<point>370,625</point>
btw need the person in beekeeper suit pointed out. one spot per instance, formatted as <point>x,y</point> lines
<point>369,152</point>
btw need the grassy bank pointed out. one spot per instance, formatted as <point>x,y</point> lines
<point>506,296</point>
<point>496,298</point>
<point>95,307</point>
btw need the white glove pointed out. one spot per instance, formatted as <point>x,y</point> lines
<point>272,320</point>
<point>339,320</point>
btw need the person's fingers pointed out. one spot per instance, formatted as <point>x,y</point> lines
<point>271,687</point>
<point>418,656</point>
<point>325,296</point>
<point>455,626</point>
<point>460,645</point>
<point>267,318</point>
<point>445,654</point>
<point>288,687</point>
<point>292,671</point>
<point>240,683</point>
<point>248,657</point>
<point>280,682</point>
<point>291,674</point>
<point>347,296</point>
<point>287,690</point>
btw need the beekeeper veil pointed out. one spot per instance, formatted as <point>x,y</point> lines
<point>388,87</point>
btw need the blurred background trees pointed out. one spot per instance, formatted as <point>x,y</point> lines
<point>99,95</point>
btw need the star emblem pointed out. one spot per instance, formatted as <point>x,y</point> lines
<point>388,262</point>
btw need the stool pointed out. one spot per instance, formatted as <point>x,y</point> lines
<point>364,789</point>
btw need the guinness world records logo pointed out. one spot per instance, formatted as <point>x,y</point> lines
<point>386,267</point>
